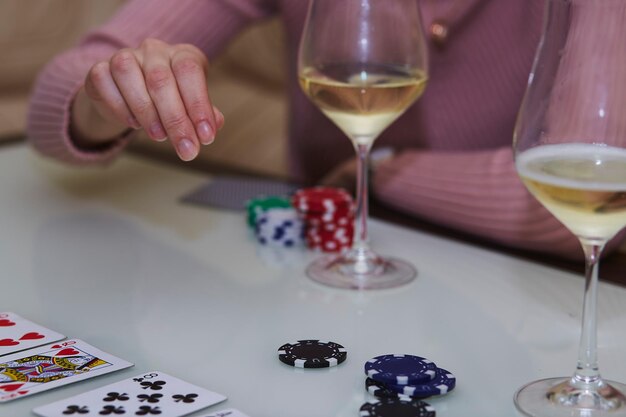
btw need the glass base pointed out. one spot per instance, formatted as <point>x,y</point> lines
<point>561,397</point>
<point>360,270</point>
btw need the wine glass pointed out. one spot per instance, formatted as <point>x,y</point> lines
<point>363,63</point>
<point>570,152</point>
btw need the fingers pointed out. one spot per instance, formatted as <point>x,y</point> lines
<point>163,89</point>
<point>103,92</point>
<point>189,66</point>
<point>128,76</point>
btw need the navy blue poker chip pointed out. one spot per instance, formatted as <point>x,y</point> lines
<point>312,354</point>
<point>400,369</point>
<point>396,407</point>
<point>443,382</point>
<point>380,390</point>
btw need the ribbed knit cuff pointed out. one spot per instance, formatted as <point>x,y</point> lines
<point>48,123</point>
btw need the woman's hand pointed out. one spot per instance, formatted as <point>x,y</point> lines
<point>158,87</point>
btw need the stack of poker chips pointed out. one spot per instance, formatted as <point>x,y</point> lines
<point>275,222</point>
<point>328,217</point>
<point>401,382</point>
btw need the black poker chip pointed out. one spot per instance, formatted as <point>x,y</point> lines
<point>380,390</point>
<point>312,354</point>
<point>396,407</point>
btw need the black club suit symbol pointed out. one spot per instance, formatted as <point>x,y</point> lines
<point>152,398</point>
<point>144,410</point>
<point>189,398</point>
<point>108,410</point>
<point>115,396</point>
<point>156,385</point>
<point>76,409</point>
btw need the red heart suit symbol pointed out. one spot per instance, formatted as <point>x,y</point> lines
<point>9,342</point>
<point>32,336</point>
<point>6,323</point>
<point>10,387</point>
<point>67,352</point>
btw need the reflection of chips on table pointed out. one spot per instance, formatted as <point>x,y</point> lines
<point>393,407</point>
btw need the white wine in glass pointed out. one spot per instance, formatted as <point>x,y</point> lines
<point>363,100</point>
<point>570,152</point>
<point>363,63</point>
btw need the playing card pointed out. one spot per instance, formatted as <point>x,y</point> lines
<point>151,393</point>
<point>232,193</point>
<point>17,334</point>
<point>231,412</point>
<point>51,366</point>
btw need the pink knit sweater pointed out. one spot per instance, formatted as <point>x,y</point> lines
<point>454,161</point>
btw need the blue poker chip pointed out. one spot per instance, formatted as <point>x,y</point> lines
<point>443,382</point>
<point>396,407</point>
<point>380,390</point>
<point>400,369</point>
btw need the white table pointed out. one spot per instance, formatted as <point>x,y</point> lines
<point>111,257</point>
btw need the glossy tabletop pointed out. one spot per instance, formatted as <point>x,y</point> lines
<point>112,257</point>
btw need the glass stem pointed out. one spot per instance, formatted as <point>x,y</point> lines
<point>360,241</point>
<point>587,372</point>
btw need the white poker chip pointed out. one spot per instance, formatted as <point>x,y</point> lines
<point>279,227</point>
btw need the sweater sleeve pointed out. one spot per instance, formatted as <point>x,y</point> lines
<point>477,192</point>
<point>207,24</point>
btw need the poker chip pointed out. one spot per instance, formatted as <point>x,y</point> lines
<point>256,206</point>
<point>443,382</point>
<point>279,227</point>
<point>321,199</point>
<point>335,240</point>
<point>380,390</point>
<point>400,369</point>
<point>328,217</point>
<point>312,354</point>
<point>396,407</point>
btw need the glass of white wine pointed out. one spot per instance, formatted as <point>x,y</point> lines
<point>570,152</point>
<point>363,63</point>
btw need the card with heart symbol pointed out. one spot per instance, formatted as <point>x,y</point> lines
<point>51,366</point>
<point>151,393</point>
<point>17,334</point>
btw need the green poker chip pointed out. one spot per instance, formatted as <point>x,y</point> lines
<point>260,205</point>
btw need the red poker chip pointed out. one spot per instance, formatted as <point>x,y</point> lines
<point>328,217</point>
<point>321,199</point>
<point>329,227</point>
<point>330,246</point>
<point>330,233</point>
<point>329,241</point>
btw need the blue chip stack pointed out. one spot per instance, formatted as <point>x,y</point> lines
<point>403,377</point>
<point>279,227</point>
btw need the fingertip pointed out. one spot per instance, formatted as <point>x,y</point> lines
<point>205,132</point>
<point>219,117</point>
<point>157,132</point>
<point>187,149</point>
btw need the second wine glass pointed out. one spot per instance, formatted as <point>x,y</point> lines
<point>363,63</point>
<point>570,152</point>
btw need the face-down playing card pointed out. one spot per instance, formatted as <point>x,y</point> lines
<point>232,193</point>
<point>151,393</point>
<point>17,334</point>
<point>51,366</point>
